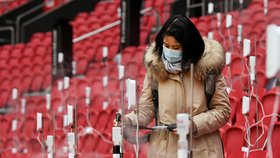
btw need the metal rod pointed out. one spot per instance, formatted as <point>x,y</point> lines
<point>191,108</point>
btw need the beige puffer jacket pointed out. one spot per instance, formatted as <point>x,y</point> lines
<point>174,94</point>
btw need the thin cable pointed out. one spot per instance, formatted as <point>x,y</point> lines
<point>42,145</point>
<point>272,122</point>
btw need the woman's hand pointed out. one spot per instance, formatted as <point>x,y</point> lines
<point>194,129</point>
<point>126,121</point>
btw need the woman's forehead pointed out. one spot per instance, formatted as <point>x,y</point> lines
<point>170,40</point>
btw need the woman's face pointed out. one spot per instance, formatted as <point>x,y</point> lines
<point>171,43</point>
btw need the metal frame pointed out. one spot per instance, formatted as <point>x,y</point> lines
<point>12,30</point>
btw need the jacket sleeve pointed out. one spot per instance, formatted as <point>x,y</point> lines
<point>146,107</point>
<point>219,112</point>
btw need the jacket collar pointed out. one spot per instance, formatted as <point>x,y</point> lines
<point>212,60</point>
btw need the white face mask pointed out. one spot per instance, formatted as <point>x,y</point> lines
<point>172,55</point>
<point>172,60</point>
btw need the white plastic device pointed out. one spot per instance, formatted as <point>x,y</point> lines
<point>245,105</point>
<point>60,57</point>
<point>228,21</point>
<point>14,93</point>
<point>39,121</point>
<point>105,81</point>
<point>70,112</point>
<point>228,58</point>
<point>71,144</point>
<point>210,8</point>
<point>14,125</point>
<point>252,64</point>
<point>88,91</point>
<point>48,101</point>
<point>65,120</point>
<point>105,52</point>
<point>219,20</point>
<point>121,72</point>
<point>210,35</point>
<point>50,143</point>
<point>272,50</point>
<point>239,33</point>
<point>23,105</point>
<point>105,105</point>
<point>74,67</point>
<point>66,82</point>
<point>246,47</point>
<point>131,93</point>
<point>183,124</point>
<point>59,86</point>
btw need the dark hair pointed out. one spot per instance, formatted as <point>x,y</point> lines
<point>185,32</point>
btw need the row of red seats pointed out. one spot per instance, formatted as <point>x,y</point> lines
<point>236,137</point>
<point>6,6</point>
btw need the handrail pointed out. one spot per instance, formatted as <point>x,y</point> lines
<point>9,28</point>
<point>23,15</point>
<point>82,37</point>
<point>89,34</point>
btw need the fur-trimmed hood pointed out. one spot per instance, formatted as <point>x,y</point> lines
<point>212,60</point>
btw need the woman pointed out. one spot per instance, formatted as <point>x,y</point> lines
<point>178,44</point>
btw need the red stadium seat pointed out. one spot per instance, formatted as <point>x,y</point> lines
<point>234,139</point>
<point>275,143</point>
<point>268,102</point>
<point>258,135</point>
